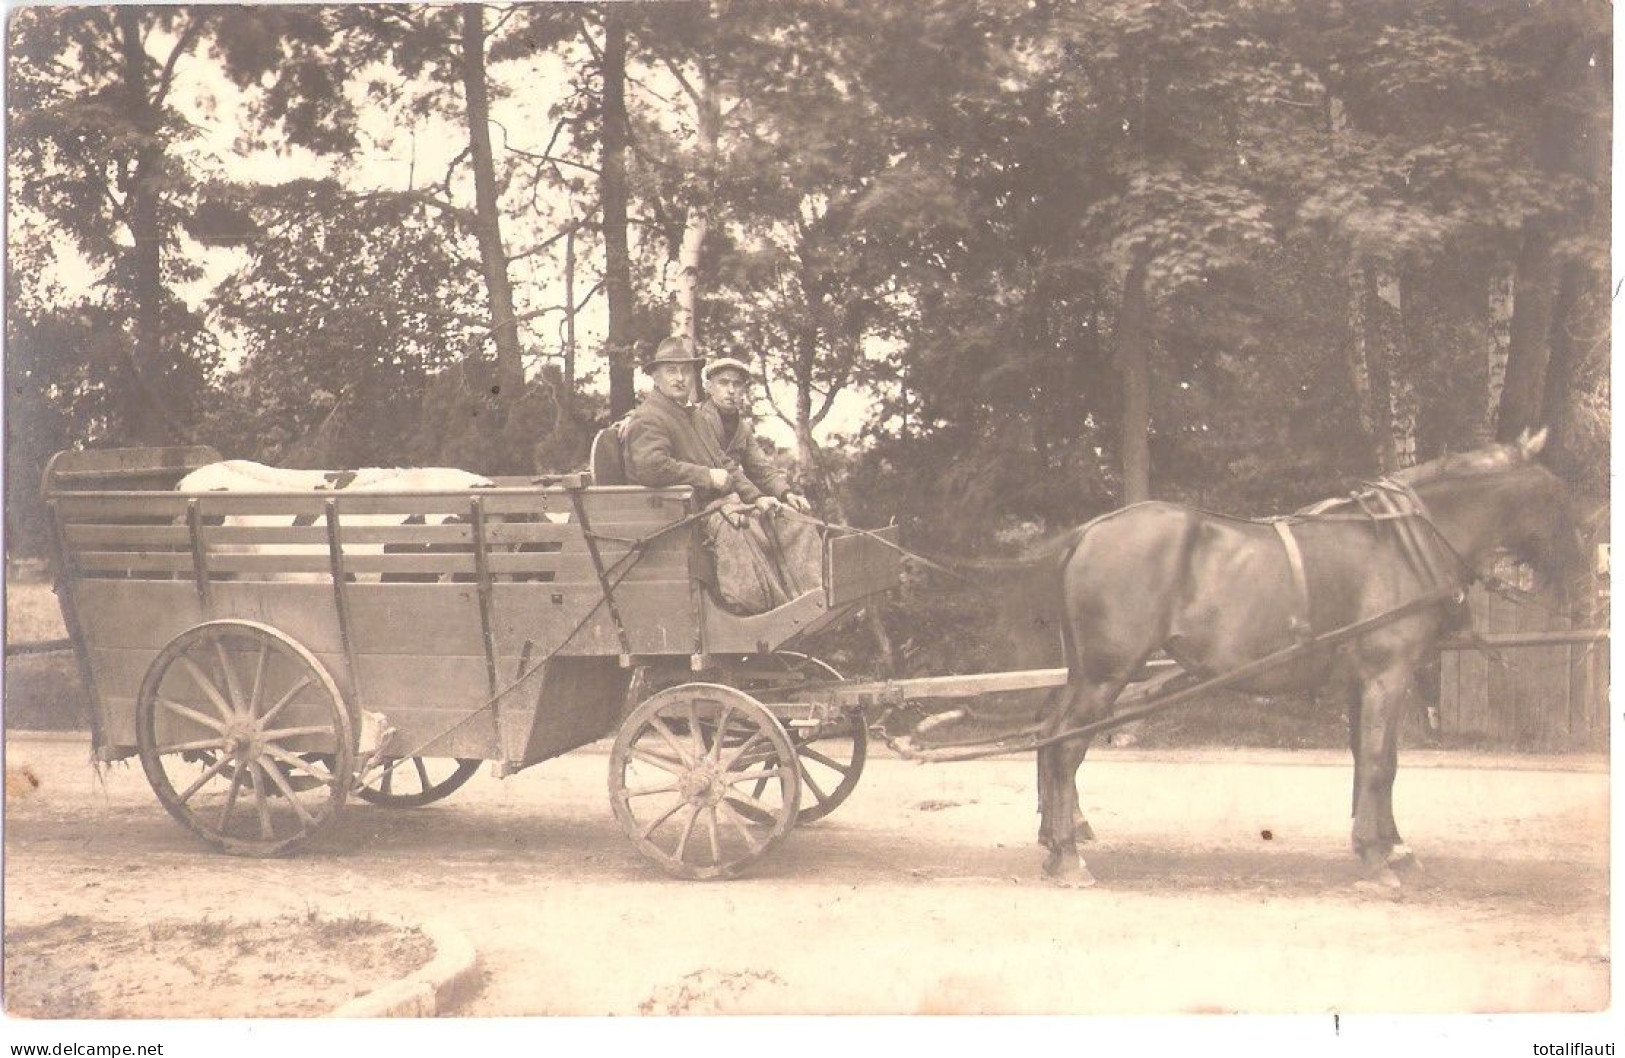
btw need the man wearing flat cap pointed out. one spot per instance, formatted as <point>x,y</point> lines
<point>668,442</point>
<point>727,386</point>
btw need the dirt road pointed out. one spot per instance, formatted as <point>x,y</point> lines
<point>921,894</point>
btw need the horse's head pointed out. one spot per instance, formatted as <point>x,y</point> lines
<point>1501,498</point>
<point>1536,523</point>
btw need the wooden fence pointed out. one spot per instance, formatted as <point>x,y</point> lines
<point>1549,691</point>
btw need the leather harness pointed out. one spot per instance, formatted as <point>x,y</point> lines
<point>1384,500</point>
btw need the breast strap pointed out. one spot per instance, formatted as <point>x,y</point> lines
<point>1302,631</point>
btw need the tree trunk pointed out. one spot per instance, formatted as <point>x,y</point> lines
<point>618,349</point>
<point>1134,368</point>
<point>570,313</point>
<point>1560,368</point>
<point>708,126</point>
<point>141,373</point>
<point>1359,347</point>
<point>1379,317</point>
<point>1497,346</point>
<point>1529,348</point>
<point>510,385</point>
<point>1402,404</point>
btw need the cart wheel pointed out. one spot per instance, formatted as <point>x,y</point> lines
<point>244,737</point>
<point>412,782</point>
<point>702,780</point>
<point>831,755</point>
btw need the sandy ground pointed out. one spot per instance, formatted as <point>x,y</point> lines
<point>922,893</point>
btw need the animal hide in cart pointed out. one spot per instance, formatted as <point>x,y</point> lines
<point>765,562</point>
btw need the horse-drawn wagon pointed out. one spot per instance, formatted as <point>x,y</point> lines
<point>239,642</point>
<point>269,654</point>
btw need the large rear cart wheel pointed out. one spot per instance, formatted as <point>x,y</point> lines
<point>831,755</point>
<point>412,782</point>
<point>704,780</point>
<point>244,737</point>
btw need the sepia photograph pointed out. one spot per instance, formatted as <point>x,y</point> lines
<point>519,515</point>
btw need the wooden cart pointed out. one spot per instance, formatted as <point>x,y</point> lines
<point>269,654</point>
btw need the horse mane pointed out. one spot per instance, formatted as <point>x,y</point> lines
<point>1487,460</point>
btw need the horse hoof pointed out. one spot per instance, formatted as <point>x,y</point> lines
<point>1069,872</point>
<point>1403,860</point>
<point>1382,880</point>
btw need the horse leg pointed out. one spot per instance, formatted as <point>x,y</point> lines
<point>1400,856</point>
<point>1057,780</point>
<point>1383,699</point>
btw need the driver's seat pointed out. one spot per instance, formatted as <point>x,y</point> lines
<point>608,462</point>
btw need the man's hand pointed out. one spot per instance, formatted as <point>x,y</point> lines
<point>737,514</point>
<point>797,502</point>
<point>719,479</point>
<point>767,505</point>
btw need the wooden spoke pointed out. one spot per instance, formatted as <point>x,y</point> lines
<point>755,804</point>
<point>663,763</point>
<point>259,678</point>
<point>423,772</point>
<point>670,737</point>
<point>207,686</point>
<point>732,763</point>
<point>722,731</point>
<point>711,833</point>
<point>688,832</point>
<point>234,693</point>
<point>276,777</point>
<point>284,700</point>
<point>231,799</point>
<point>267,832</point>
<point>208,773</point>
<point>298,763</point>
<point>694,735</point>
<point>812,754</point>
<point>819,796</point>
<point>193,715</point>
<point>281,733</point>
<point>739,825</point>
<point>202,743</point>
<point>650,791</point>
<point>661,819</point>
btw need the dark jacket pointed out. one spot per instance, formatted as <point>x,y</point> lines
<point>743,449</point>
<point>667,444</point>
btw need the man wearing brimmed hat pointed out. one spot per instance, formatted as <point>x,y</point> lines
<point>666,442</point>
<point>727,386</point>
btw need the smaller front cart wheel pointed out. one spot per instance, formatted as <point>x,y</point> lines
<point>244,737</point>
<point>704,780</point>
<point>412,782</point>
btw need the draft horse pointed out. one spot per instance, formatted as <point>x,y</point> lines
<point>1216,592</point>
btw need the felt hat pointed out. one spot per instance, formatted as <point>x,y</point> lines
<point>673,350</point>
<point>724,364</point>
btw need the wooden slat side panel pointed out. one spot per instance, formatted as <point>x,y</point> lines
<point>395,619</point>
<point>136,614</point>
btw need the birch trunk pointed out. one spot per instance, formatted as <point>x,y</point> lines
<point>1497,346</point>
<point>707,99</point>
<point>618,296</point>
<point>1134,370</point>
